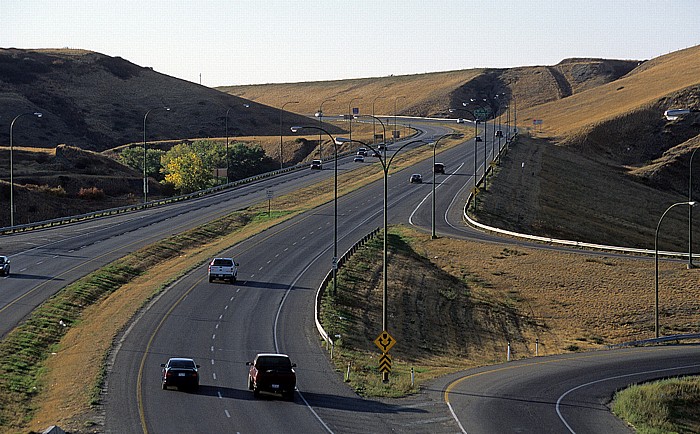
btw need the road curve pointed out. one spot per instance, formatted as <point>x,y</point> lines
<point>565,393</point>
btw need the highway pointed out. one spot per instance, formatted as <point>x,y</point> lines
<point>270,308</point>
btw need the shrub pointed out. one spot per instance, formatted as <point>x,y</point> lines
<point>92,193</point>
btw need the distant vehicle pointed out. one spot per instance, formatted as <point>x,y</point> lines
<point>460,121</point>
<point>478,139</point>
<point>4,265</point>
<point>376,154</point>
<point>439,168</point>
<point>273,373</point>
<point>416,178</point>
<point>381,146</point>
<point>223,268</point>
<point>316,165</point>
<point>362,151</point>
<point>180,372</point>
<point>359,158</point>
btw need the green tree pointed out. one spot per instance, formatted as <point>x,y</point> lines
<point>185,169</point>
<point>246,161</point>
<point>133,157</point>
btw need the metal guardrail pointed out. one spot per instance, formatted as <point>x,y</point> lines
<point>663,339</point>
<point>120,210</point>
<point>548,240</point>
<point>329,277</point>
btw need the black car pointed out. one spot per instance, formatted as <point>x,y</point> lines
<point>180,372</point>
<point>439,168</point>
<point>416,178</point>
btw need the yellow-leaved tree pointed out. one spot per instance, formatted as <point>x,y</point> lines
<point>185,170</point>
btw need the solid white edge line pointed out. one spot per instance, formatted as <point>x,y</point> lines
<point>581,386</point>
<point>454,416</point>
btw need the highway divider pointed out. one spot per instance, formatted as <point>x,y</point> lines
<point>329,277</point>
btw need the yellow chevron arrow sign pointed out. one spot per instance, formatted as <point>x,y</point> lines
<point>385,363</point>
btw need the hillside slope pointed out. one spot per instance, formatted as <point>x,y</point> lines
<point>433,93</point>
<point>98,102</point>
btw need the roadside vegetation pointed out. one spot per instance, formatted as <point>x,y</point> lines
<point>666,406</point>
<point>191,166</point>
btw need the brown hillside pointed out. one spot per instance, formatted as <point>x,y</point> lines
<point>607,164</point>
<point>432,94</point>
<point>97,102</point>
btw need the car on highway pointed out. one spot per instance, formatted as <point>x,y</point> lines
<point>180,372</point>
<point>359,158</point>
<point>4,266</point>
<point>460,121</point>
<point>223,268</point>
<point>316,165</point>
<point>272,373</point>
<point>439,168</point>
<point>416,178</point>
<point>362,151</point>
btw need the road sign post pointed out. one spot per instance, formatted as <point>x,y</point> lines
<point>385,342</point>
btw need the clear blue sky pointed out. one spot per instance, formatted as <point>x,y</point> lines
<point>232,42</point>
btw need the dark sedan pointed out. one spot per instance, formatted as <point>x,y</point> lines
<point>180,372</point>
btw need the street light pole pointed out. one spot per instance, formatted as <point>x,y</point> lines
<point>145,178</point>
<point>374,131</point>
<point>476,133</point>
<point>656,264</point>
<point>12,182</point>
<point>690,212</point>
<point>320,126</point>
<point>433,236</point>
<point>393,139</point>
<point>336,142</point>
<point>282,111</point>
<point>350,113</point>
<point>385,168</point>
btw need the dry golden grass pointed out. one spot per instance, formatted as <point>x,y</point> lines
<point>647,84</point>
<point>412,94</point>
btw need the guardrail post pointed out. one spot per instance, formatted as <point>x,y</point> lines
<point>537,347</point>
<point>508,356</point>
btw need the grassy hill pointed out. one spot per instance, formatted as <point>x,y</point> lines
<point>433,94</point>
<point>97,102</point>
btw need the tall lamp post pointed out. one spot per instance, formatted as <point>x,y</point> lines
<point>673,114</point>
<point>320,126</point>
<point>385,167</point>
<point>145,177</point>
<point>12,183</point>
<point>656,264</point>
<point>350,113</point>
<point>374,131</point>
<point>228,160</point>
<point>476,133</point>
<point>432,225</point>
<point>395,100</point>
<point>282,111</point>
<point>336,142</point>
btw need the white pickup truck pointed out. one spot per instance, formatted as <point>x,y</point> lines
<point>224,269</point>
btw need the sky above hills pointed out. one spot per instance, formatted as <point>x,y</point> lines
<point>234,42</point>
